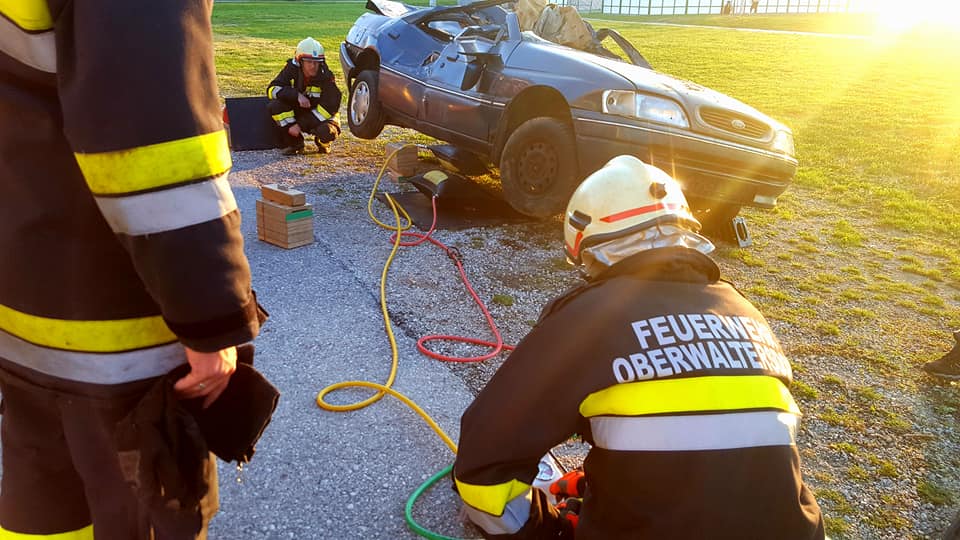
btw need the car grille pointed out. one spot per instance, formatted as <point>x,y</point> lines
<point>737,124</point>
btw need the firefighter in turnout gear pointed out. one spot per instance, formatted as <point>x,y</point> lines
<point>123,255</point>
<point>305,99</point>
<point>674,379</point>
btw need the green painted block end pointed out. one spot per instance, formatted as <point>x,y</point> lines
<point>302,214</point>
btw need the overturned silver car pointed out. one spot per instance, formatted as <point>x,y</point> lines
<point>548,115</point>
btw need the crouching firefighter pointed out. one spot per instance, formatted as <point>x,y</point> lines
<point>122,262</point>
<point>674,379</point>
<point>304,99</point>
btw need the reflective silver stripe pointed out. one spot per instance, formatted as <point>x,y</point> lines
<point>169,209</point>
<point>37,50</point>
<point>95,368</point>
<point>515,515</point>
<point>697,432</point>
<point>322,114</point>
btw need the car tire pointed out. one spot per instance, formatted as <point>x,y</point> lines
<point>364,112</point>
<point>538,167</point>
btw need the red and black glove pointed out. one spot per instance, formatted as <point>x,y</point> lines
<point>571,484</point>
<point>569,510</point>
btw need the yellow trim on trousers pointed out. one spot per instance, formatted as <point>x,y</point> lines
<point>491,499</point>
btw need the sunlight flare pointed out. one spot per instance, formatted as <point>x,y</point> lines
<point>897,16</point>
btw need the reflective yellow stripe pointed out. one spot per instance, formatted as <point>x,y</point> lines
<point>156,165</point>
<point>692,394</point>
<point>282,116</point>
<point>32,15</point>
<point>87,336</point>
<point>85,533</point>
<point>322,113</point>
<point>316,89</point>
<point>491,499</point>
<point>272,92</point>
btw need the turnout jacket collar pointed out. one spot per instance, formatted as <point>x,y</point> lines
<point>666,264</point>
<point>676,264</point>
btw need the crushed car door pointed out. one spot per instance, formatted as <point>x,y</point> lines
<point>456,96</point>
<point>405,55</point>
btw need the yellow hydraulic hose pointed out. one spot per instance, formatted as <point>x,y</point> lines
<point>386,387</point>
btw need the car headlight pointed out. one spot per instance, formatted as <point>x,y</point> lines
<point>644,107</point>
<point>783,142</point>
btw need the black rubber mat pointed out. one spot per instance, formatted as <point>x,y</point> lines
<point>464,205</point>
<point>251,127</point>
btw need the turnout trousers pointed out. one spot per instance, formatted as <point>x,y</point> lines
<point>63,472</point>
<point>325,131</point>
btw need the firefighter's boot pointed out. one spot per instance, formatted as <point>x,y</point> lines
<point>947,367</point>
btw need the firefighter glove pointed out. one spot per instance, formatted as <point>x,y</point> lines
<point>569,510</point>
<point>571,484</point>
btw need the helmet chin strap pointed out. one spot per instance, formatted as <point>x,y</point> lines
<point>598,258</point>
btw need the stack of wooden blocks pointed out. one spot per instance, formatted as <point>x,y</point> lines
<point>283,217</point>
<point>405,161</point>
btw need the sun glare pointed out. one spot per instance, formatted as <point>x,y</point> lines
<point>898,15</point>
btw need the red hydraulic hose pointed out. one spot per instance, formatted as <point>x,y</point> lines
<point>454,255</point>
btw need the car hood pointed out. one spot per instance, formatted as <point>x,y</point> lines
<point>688,93</point>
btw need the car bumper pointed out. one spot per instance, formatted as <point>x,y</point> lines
<point>707,168</point>
<point>346,62</point>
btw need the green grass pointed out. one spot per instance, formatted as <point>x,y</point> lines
<point>934,493</point>
<point>253,40</point>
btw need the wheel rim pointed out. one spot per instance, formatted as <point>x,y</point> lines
<point>361,103</point>
<point>538,168</point>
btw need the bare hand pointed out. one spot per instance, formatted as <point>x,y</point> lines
<point>304,102</point>
<point>209,374</point>
<point>294,130</point>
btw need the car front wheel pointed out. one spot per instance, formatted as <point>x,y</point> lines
<point>538,168</point>
<point>364,113</point>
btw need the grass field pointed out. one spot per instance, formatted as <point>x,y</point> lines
<point>861,260</point>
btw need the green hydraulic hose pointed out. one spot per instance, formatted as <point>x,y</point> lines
<point>408,511</point>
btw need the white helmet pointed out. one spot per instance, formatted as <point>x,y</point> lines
<point>310,49</point>
<point>624,197</point>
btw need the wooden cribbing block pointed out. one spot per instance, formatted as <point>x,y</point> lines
<point>404,162</point>
<point>284,226</point>
<point>421,167</point>
<point>283,195</point>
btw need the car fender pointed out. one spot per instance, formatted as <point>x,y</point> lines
<point>531,102</point>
